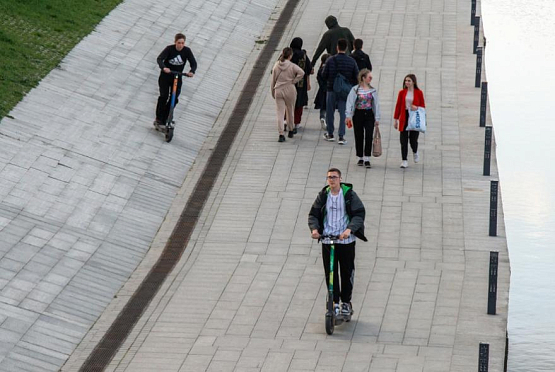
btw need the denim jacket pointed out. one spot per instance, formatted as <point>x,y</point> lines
<point>352,98</point>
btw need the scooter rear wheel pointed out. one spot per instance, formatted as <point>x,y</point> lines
<point>329,324</point>
<point>169,135</point>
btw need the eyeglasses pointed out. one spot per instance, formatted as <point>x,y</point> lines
<point>332,177</point>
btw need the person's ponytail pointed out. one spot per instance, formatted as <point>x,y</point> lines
<point>285,54</point>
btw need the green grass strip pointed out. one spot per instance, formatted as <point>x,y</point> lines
<point>35,35</point>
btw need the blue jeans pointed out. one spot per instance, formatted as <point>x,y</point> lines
<point>331,104</point>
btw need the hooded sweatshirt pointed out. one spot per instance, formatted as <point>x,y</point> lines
<point>331,36</point>
<point>285,73</point>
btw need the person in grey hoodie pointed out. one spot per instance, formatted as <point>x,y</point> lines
<point>285,75</point>
<point>363,112</point>
<point>330,38</point>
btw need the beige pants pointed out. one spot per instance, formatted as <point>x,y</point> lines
<point>285,104</point>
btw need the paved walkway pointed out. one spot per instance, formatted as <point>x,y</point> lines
<point>249,295</point>
<point>85,181</point>
<point>87,187</point>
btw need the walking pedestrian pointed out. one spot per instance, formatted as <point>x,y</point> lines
<point>173,58</point>
<point>331,37</point>
<point>285,75</point>
<point>346,66</point>
<point>338,211</point>
<point>410,98</point>
<point>362,59</point>
<point>363,112</point>
<point>300,58</point>
<point>320,99</point>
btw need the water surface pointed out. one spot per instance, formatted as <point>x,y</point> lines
<point>520,65</point>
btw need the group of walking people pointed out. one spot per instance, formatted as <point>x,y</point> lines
<point>344,79</point>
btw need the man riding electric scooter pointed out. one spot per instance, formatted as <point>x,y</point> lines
<point>338,212</point>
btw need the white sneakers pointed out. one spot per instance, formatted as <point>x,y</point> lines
<point>416,157</point>
<point>323,123</point>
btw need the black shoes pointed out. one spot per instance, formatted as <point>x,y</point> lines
<point>367,164</point>
<point>291,134</point>
<point>281,138</point>
<point>360,163</point>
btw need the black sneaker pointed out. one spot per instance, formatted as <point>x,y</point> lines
<point>341,140</point>
<point>360,163</point>
<point>290,134</point>
<point>367,164</point>
<point>281,138</point>
<point>329,137</point>
<point>295,131</point>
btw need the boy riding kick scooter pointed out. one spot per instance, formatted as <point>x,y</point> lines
<point>172,62</point>
<point>336,218</point>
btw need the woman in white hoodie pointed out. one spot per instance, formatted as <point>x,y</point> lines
<point>285,75</point>
<point>363,112</point>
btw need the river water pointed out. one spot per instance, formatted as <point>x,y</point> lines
<point>520,67</point>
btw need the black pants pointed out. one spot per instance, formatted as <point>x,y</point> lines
<point>405,137</point>
<point>345,255</point>
<point>165,83</point>
<point>363,123</point>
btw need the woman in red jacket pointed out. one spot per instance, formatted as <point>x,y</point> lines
<point>409,98</point>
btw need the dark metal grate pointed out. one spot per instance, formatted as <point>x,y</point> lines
<point>105,350</point>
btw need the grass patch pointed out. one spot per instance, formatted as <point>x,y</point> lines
<point>35,35</point>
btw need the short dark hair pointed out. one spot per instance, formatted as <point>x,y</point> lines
<point>358,44</point>
<point>334,170</point>
<point>179,36</point>
<point>342,45</point>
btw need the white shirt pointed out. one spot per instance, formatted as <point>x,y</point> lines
<point>336,220</point>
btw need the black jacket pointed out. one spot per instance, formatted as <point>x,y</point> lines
<point>340,63</point>
<point>362,59</point>
<point>300,58</point>
<point>175,60</point>
<point>330,38</point>
<point>353,205</point>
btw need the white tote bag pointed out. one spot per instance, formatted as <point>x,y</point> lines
<point>417,120</point>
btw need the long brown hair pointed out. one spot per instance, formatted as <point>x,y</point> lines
<point>413,78</point>
<point>285,54</point>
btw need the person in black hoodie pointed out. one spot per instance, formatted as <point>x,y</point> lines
<point>330,38</point>
<point>362,59</point>
<point>300,58</point>
<point>173,58</point>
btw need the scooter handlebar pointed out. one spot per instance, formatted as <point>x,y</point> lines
<point>179,73</point>
<point>330,237</point>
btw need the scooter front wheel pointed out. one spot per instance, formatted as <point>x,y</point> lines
<point>169,135</point>
<point>329,324</point>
